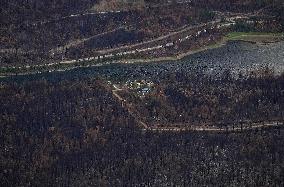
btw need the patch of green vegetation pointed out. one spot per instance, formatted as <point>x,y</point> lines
<point>255,37</point>
<point>241,35</point>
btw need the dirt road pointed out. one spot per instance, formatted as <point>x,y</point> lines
<point>238,127</point>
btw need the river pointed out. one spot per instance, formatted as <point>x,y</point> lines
<point>235,56</point>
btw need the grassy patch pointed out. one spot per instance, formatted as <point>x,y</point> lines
<point>255,36</point>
